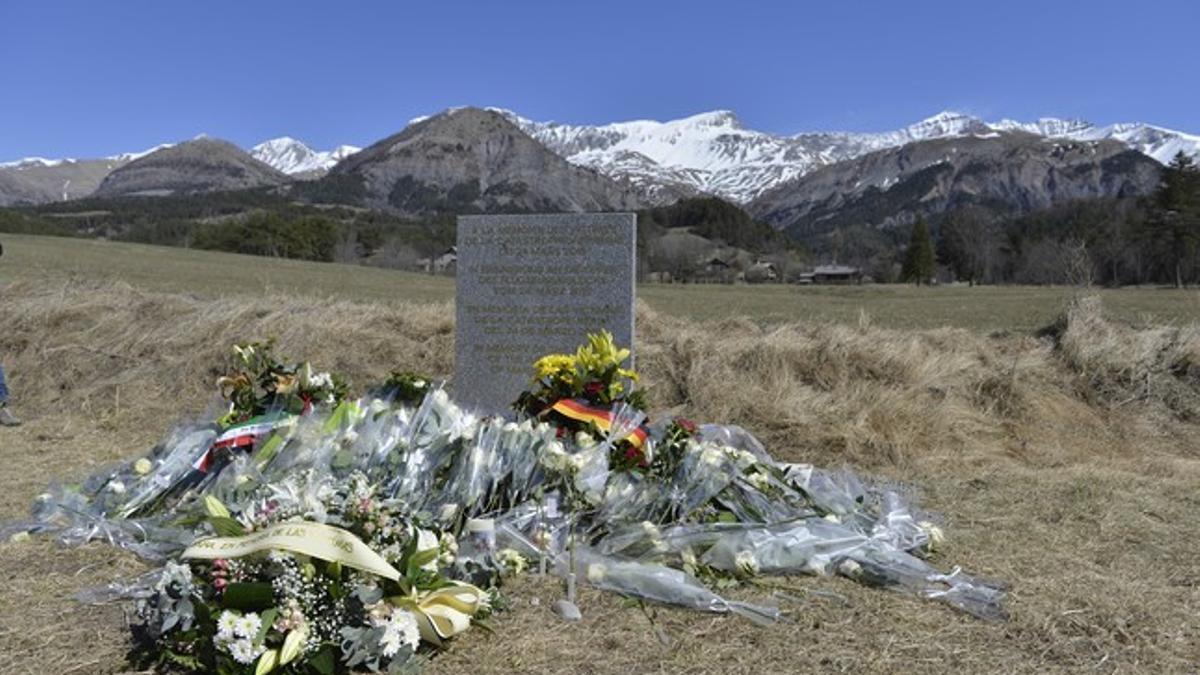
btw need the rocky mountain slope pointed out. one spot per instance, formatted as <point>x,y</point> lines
<point>298,160</point>
<point>1007,171</point>
<point>35,180</point>
<point>200,165</point>
<point>470,159</point>
<point>715,153</point>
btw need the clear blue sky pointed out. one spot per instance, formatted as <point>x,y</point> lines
<point>90,78</point>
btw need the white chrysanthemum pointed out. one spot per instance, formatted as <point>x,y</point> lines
<point>244,651</point>
<point>400,630</point>
<point>760,480</point>
<point>226,624</point>
<point>512,559</point>
<point>247,626</point>
<point>583,439</point>
<point>746,563</point>
<point>743,458</point>
<point>711,456</point>
<point>117,487</point>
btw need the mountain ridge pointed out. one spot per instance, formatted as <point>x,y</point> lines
<point>707,153</point>
<point>1011,171</point>
<point>469,159</point>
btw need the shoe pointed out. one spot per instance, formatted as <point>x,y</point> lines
<point>7,419</point>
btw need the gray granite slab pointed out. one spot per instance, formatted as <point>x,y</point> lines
<point>532,285</point>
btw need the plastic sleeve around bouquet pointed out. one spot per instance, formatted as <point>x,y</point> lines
<point>659,583</point>
<point>172,469</point>
<point>427,450</point>
<point>881,565</point>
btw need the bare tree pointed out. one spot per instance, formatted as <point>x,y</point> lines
<point>348,249</point>
<point>397,255</point>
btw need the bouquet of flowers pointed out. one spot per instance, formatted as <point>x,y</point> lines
<point>329,539</point>
<point>365,587</point>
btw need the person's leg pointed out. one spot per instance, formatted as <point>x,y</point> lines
<point>7,419</point>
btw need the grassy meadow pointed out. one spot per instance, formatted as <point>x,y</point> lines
<point>991,308</point>
<point>1064,462</point>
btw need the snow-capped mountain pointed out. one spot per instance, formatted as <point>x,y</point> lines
<point>1157,142</point>
<point>297,159</point>
<point>711,152</point>
<point>714,153</point>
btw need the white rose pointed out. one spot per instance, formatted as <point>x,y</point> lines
<point>850,568</point>
<point>427,541</point>
<point>688,556</point>
<point>596,573</point>
<point>746,563</point>
<point>936,536</point>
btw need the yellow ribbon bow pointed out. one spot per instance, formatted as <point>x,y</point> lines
<point>445,612</point>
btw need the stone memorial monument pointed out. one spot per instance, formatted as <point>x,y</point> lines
<point>532,285</point>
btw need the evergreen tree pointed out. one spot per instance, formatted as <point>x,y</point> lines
<point>1174,226</point>
<point>919,260</point>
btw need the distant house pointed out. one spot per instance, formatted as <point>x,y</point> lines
<point>716,270</point>
<point>717,266</point>
<point>761,272</point>
<point>836,274</point>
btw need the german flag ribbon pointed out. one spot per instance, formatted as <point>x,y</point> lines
<point>580,411</point>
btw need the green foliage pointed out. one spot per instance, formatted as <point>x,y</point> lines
<point>713,219</point>
<point>403,388</point>
<point>259,222</point>
<point>25,222</point>
<point>1173,227</point>
<point>265,233</point>
<point>919,260</point>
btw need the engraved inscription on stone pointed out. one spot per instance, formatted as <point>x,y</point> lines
<point>531,285</point>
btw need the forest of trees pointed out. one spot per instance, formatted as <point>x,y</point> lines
<point>1110,241</point>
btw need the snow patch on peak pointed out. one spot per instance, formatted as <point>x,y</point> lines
<point>293,157</point>
<point>30,162</point>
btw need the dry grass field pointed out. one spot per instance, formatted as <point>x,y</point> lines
<point>1006,308</point>
<point>1065,463</point>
